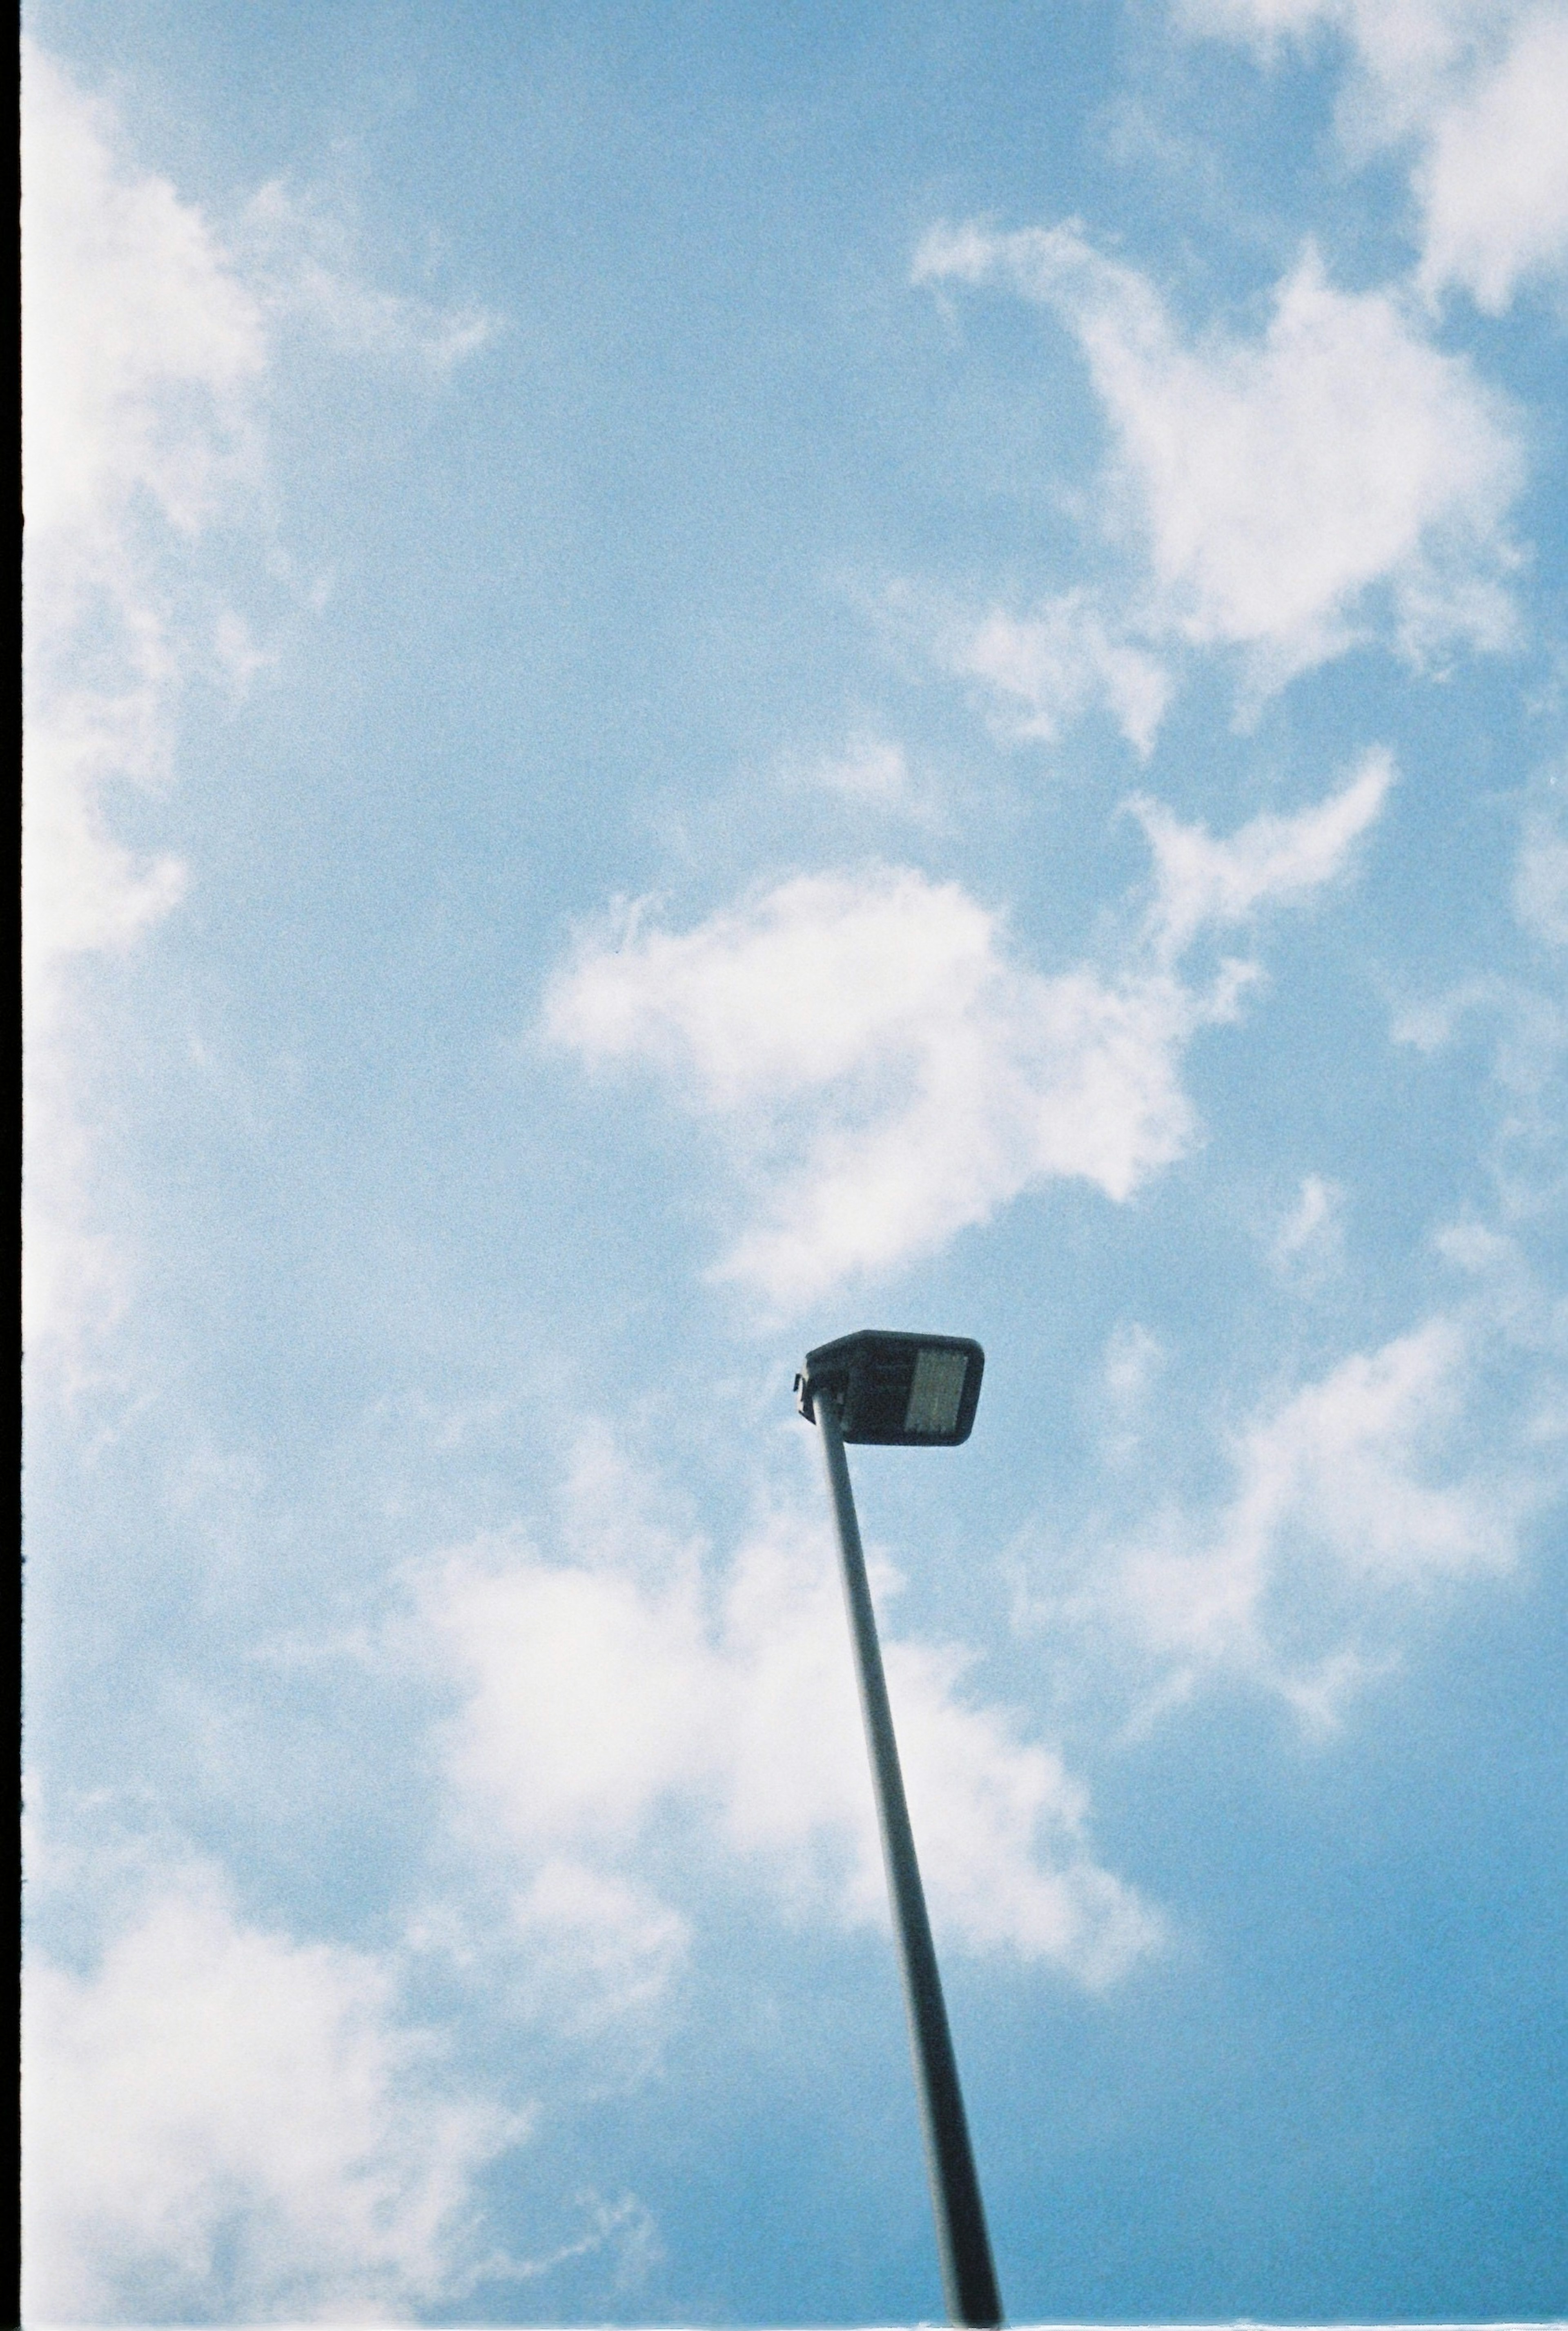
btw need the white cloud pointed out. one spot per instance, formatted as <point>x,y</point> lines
<point>142,343</point>
<point>598,1948</point>
<point>1493,182</point>
<point>1134,1356</point>
<point>1047,668</point>
<point>1528,1153</point>
<point>1266,24</point>
<point>1477,89</point>
<point>1204,882</point>
<point>147,353</point>
<point>305,258</point>
<point>141,356</point>
<point>1430,1025</point>
<point>224,2122</point>
<point>1353,1498</point>
<point>599,1693</point>
<point>884,1072</point>
<point>1528,1147</point>
<point>872,772</point>
<point>140,359</point>
<point>1133,1361</point>
<point>1540,880</point>
<point>1408,49</point>
<point>1280,481</point>
<point>1311,1236</point>
<point>578,1747</point>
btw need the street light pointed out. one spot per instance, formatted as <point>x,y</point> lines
<point>907,1392</point>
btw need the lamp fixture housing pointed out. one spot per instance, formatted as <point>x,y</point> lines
<point>897,1389</point>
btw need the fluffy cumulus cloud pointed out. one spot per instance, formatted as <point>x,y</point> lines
<point>223,2122</point>
<point>603,1693</point>
<point>1356,1499</point>
<point>1475,91</point>
<point>884,1071</point>
<point>887,1072</point>
<point>1280,481</point>
<point>1493,180</point>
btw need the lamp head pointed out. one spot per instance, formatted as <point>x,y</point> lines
<point>901,1391</point>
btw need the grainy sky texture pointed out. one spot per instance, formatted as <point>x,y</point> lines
<point>702,675</point>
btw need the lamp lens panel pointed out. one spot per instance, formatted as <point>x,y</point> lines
<point>936,1391</point>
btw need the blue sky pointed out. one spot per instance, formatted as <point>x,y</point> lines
<point>698,676</point>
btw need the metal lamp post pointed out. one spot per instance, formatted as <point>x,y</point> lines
<point>910,1392</point>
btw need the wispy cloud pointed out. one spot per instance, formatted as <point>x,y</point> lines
<point>1202,880</point>
<point>1279,481</point>
<point>885,1072</point>
<point>872,772</point>
<point>1541,880</point>
<point>1051,664</point>
<point>1356,1501</point>
<point>1347,1473</point>
<point>150,341</point>
<point>304,257</point>
<point>1310,1239</point>
<point>1529,1025</point>
<point>1526,1021</point>
<point>1045,669</point>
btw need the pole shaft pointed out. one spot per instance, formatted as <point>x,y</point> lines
<point>967,2271</point>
